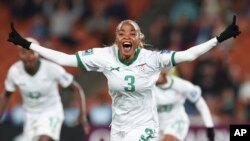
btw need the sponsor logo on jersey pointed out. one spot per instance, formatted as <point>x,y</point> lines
<point>87,52</point>
<point>115,69</point>
<point>165,51</point>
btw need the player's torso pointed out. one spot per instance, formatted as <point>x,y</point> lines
<point>39,88</point>
<point>169,102</point>
<point>130,87</point>
<point>137,76</point>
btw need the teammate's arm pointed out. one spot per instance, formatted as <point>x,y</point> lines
<point>196,51</point>
<point>80,97</point>
<point>206,116</point>
<point>4,97</point>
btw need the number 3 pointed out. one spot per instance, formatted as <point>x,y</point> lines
<point>131,82</point>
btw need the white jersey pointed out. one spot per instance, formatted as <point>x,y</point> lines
<point>171,97</point>
<point>39,91</point>
<point>130,84</point>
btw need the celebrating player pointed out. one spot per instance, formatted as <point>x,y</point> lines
<point>37,80</point>
<point>131,72</point>
<point>171,93</point>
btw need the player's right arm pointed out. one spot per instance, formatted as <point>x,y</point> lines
<point>9,88</point>
<point>4,97</point>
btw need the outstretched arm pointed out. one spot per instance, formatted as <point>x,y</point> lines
<point>80,97</point>
<point>192,53</point>
<point>55,56</point>
<point>206,116</point>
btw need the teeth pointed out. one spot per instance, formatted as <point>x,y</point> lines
<point>126,43</point>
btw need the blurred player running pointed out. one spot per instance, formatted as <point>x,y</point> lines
<point>37,80</point>
<point>171,93</point>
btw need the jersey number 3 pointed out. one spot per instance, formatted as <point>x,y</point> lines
<point>131,83</point>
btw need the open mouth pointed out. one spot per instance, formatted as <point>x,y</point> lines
<point>127,46</point>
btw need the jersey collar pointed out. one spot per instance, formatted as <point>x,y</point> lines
<point>133,60</point>
<point>167,85</point>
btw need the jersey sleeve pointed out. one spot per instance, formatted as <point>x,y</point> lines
<point>194,93</point>
<point>92,59</point>
<point>64,78</point>
<point>9,83</point>
<point>163,59</point>
<point>190,91</point>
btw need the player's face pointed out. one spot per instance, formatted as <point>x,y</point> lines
<point>29,59</point>
<point>127,39</point>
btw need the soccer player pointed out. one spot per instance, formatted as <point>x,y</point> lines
<point>171,93</point>
<point>131,72</point>
<point>38,79</point>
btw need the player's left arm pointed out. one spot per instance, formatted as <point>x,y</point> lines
<point>4,97</point>
<point>80,97</point>
<point>193,93</point>
<point>206,116</point>
<point>192,53</point>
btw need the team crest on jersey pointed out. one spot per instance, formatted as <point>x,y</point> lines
<point>141,67</point>
<point>87,52</point>
<point>165,51</point>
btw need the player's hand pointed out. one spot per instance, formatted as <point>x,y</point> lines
<point>17,39</point>
<point>231,31</point>
<point>210,134</point>
<point>84,123</point>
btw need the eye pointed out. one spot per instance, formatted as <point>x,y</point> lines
<point>133,33</point>
<point>120,33</point>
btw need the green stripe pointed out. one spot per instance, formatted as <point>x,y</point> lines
<point>170,86</point>
<point>133,60</point>
<point>79,62</point>
<point>172,59</point>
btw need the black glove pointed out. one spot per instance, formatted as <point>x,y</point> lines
<point>210,134</point>
<point>231,31</point>
<point>17,39</point>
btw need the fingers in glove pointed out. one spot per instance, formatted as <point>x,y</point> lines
<point>234,20</point>
<point>12,26</point>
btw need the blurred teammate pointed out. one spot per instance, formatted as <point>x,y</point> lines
<point>171,93</point>
<point>38,79</point>
<point>131,72</point>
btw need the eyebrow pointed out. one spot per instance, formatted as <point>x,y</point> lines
<point>132,30</point>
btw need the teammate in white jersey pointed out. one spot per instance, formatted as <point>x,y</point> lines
<point>171,92</point>
<point>37,80</point>
<point>131,72</point>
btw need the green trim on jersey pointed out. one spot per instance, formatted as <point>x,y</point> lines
<point>79,62</point>
<point>172,59</point>
<point>38,64</point>
<point>130,62</point>
<point>170,85</point>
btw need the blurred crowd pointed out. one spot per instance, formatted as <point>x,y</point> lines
<point>71,25</point>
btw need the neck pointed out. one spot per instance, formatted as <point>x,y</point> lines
<point>127,58</point>
<point>163,81</point>
<point>33,70</point>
